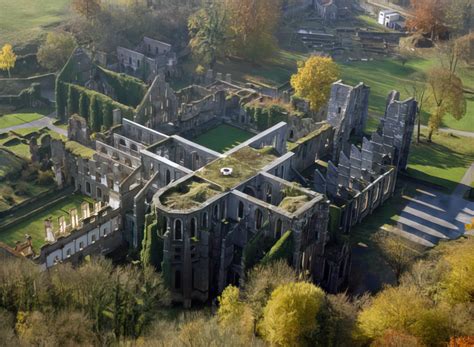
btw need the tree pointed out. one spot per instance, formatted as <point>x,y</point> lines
<point>94,114</point>
<point>290,315</point>
<point>235,314</point>
<point>262,280</point>
<point>393,338</point>
<point>87,8</point>
<point>314,78</point>
<point>457,283</point>
<point>7,58</point>
<point>459,15</point>
<point>207,29</point>
<point>83,105</point>
<point>454,51</point>
<point>406,310</point>
<point>396,252</point>
<point>418,90</point>
<point>55,51</point>
<point>252,25</point>
<point>108,115</point>
<point>447,97</point>
<point>427,16</point>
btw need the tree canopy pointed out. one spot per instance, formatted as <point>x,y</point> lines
<point>7,58</point>
<point>55,51</point>
<point>314,79</point>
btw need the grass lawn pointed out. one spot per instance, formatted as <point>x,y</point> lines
<point>443,162</point>
<point>34,226</point>
<point>18,119</point>
<point>223,138</point>
<point>26,20</point>
<point>8,163</point>
<point>388,74</point>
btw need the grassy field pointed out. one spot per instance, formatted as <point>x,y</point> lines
<point>26,20</point>
<point>223,138</point>
<point>11,120</point>
<point>443,162</point>
<point>382,75</point>
<point>385,75</point>
<point>34,226</point>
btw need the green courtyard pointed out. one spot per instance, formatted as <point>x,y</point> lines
<point>222,138</point>
<point>34,225</point>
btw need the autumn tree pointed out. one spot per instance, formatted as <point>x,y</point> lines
<point>396,252</point>
<point>262,280</point>
<point>459,14</point>
<point>86,8</point>
<point>234,313</point>
<point>406,310</point>
<point>446,96</point>
<point>252,25</point>
<point>290,315</point>
<point>457,283</point>
<point>207,29</point>
<point>7,58</point>
<point>427,16</point>
<point>314,78</point>
<point>417,88</point>
<point>55,51</point>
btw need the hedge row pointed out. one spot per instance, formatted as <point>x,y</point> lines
<point>95,107</point>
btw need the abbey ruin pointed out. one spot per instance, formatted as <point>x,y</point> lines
<point>290,191</point>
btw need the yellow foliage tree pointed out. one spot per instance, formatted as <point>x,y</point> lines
<point>7,58</point>
<point>235,314</point>
<point>458,283</point>
<point>290,314</point>
<point>406,310</point>
<point>314,78</point>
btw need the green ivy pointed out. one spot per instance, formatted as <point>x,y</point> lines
<point>282,249</point>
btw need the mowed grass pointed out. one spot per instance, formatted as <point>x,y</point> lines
<point>15,119</point>
<point>391,74</point>
<point>34,225</point>
<point>26,20</point>
<point>443,162</point>
<point>223,138</point>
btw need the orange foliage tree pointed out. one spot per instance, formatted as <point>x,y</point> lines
<point>428,16</point>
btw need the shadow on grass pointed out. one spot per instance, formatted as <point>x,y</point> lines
<point>438,164</point>
<point>370,271</point>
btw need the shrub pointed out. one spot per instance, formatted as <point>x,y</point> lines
<point>45,178</point>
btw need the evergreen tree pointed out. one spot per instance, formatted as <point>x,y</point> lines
<point>84,106</point>
<point>108,116</point>
<point>72,100</point>
<point>94,114</point>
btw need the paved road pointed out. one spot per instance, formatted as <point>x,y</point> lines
<point>452,131</point>
<point>39,123</point>
<point>433,215</point>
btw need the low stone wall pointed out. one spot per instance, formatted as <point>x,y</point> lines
<point>14,86</point>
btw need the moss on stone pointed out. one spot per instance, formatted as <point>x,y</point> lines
<point>79,150</point>
<point>188,195</point>
<point>245,163</point>
<point>282,249</point>
<point>293,203</point>
<point>293,145</point>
